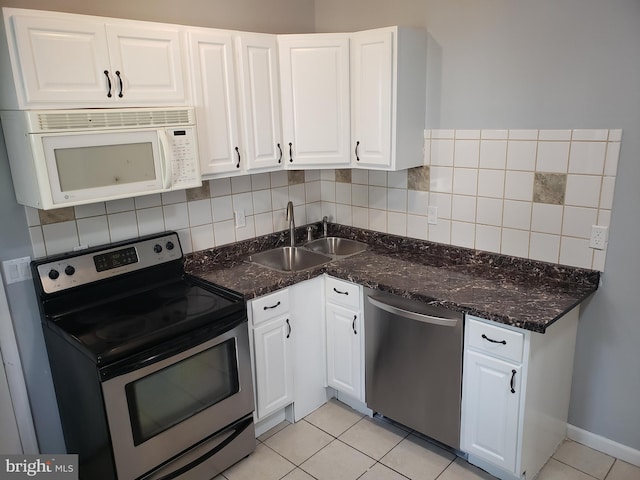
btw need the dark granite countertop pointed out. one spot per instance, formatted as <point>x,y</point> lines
<point>510,290</point>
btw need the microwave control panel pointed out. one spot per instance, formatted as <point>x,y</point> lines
<point>184,157</point>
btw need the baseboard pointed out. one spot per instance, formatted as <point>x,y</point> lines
<point>604,445</point>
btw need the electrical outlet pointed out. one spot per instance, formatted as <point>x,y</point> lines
<point>241,220</point>
<point>432,215</point>
<point>598,237</point>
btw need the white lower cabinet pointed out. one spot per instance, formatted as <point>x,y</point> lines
<point>515,394</point>
<point>345,337</point>
<point>491,416</point>
<point>288,350</point>
<point>274,367</point>
<point>272,342</point>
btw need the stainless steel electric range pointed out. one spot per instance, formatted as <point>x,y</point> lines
<point>150,365</point>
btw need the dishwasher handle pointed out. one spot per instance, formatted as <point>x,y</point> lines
<point>420,317</point>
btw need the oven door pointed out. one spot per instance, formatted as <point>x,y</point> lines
<point>161,410</point>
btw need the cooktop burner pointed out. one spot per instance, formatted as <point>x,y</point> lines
<point>117,300</point>
<point>125,325</point>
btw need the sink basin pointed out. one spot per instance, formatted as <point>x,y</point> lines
<point>336,246</point>
<point>289,259</point>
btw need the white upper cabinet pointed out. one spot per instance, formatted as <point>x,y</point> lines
<point>259,95</point>
<point>237,100</point>
<point>68,61</point>
<point>214,95</point>
<point>314,71</point>
<point>388,94</point>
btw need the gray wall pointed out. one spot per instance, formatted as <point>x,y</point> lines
<point>274,16</point>
<point>548,64</point>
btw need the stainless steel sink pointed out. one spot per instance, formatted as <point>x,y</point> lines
<point>336,246</point>
<point>289,259</point>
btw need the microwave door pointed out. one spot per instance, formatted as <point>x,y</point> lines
<point>96,167</point>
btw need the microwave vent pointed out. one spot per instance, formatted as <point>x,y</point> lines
<point>105,119</point>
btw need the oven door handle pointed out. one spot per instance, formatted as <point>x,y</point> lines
<point>237,430</point>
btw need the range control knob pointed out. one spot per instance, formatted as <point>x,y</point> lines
<point>54,274</point>
<point>170,245</point>
<point>69,270</point>
<point>157,248</point>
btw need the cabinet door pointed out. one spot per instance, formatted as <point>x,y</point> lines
<point>316,118</point>
<point>61,61</point>
<point>146,64</point>
<point>259,94</point>
<point>491,404</point>
<point>274,373</point>
<point>344,351</point>
<point>372,88</point>
<point>211,55</point>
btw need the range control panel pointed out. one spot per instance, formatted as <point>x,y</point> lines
<point>81,268</point>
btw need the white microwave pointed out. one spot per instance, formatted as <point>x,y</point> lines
<point>61,158</point>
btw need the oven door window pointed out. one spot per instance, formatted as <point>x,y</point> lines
<point>175,393</point>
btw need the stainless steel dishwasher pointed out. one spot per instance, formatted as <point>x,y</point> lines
<point>413,364</point>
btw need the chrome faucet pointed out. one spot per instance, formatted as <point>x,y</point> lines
<point>292,223</point>
<point>325,219</point>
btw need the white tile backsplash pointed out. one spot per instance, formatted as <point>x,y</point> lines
<point>442,152</point>
<point>518,185</point>
<point>465,181</point>
<point>553,157</point>
<point>484,202</point>
<point>199,212</point>
<point>493,154</point>
<point>521,155</point>
<point>587,157</point>
<point>547,218</point>
<point>583,190</point>
<point>466,153</point>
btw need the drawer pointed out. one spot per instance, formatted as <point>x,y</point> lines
<point>270,306</point>
<point>494,340</point>
<point>342,293</point>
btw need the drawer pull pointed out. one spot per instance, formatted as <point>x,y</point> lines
<point>280,150</point>
<point>353,325</point>
<point>272,306</point>
<point>513,378</point>
<point>338,291</point>
<point>503,342</point>
<point>289,332</point>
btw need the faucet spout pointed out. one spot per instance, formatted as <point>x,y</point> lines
<point>292,223</point>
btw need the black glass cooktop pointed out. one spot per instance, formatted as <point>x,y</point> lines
<point>113,329</point>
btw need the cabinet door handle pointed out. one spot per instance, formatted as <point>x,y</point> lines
<point>106,74</point>
<point>339,292</point>
<point>290,152</point>
<point>513,379</point>
<point>288,325</point>
<point>503,342</point>
<point>357,145</point>
<point>280,150</point>
<point>353,325</point>
<point>272,306</point>
<point>238,152</point>
<point>120,81</point>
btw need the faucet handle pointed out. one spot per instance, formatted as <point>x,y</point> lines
<point>310,230</point>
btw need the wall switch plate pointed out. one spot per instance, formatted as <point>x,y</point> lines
<point>598,239</point>
<point>432,215</point>
<point>16,270</point>
<point>241,220</point>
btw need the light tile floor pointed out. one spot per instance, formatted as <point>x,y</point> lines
<point>338,443</point>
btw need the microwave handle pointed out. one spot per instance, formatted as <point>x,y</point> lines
<point>167,171</point>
